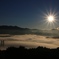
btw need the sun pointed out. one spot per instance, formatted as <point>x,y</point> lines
<point>50,18</point>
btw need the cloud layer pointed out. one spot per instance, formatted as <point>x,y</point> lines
<point>31,41</point>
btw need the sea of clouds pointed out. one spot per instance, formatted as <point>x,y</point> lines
<point>31,41</point>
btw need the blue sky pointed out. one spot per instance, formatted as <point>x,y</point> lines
<point>26,13</point>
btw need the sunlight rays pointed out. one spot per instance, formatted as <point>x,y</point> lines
<point>50,20</point>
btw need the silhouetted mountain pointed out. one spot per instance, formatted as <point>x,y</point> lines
<point>14,30</point>
<point>4,29</point>
<point>12,27</point>
<point>22,52</point>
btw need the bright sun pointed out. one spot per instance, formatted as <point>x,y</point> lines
<point>50,18</point>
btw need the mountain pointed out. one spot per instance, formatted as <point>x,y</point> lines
<point>12,27</point>
<point>4,29</point>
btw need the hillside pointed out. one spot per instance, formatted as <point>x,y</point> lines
<point>22,52</point>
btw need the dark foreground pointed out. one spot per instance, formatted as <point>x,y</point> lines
<point>22,52</point>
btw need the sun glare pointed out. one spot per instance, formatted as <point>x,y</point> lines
<point>50,18</point>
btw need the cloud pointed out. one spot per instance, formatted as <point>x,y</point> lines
<point>32,41</point>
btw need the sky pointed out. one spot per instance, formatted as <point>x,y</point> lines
<point>27,13</point>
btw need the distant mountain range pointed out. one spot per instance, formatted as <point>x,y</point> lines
<point>15,30</point>
<point>12,27</point>
<point>4,29</point>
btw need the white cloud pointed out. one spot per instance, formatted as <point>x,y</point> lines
<point>32,41</point>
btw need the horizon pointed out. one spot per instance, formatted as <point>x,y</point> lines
<point>31,28</point>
